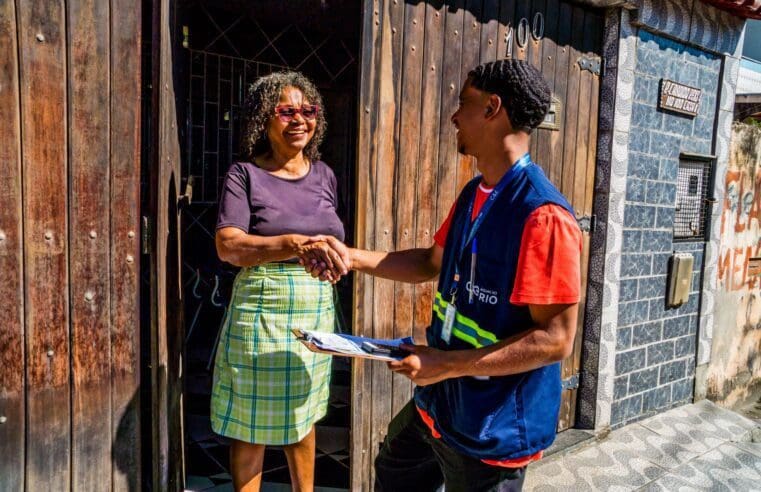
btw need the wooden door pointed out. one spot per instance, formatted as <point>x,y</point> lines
<point>566,146</point>
<point>167,329</point>
<point>69,181</point>
<point>415,57</point>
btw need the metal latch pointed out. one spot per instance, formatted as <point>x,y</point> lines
<point>592,63</point>
<point>570,383</point>
<point>145,235</point>
<point>587,223</point>
<point>187,197</point>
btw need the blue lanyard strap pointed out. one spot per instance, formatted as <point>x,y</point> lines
<point>469,231</point>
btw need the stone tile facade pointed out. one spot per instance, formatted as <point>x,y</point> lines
<point>655,345</point>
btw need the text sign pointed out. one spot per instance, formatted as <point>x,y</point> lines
<point>679,97</point>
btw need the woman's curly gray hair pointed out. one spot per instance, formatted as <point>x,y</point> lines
<point>259,106</point>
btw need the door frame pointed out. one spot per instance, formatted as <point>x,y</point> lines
<point>161,243</point>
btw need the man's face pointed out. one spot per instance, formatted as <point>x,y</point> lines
<point>470,117</point>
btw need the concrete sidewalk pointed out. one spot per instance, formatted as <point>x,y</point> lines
<point>693,447</point>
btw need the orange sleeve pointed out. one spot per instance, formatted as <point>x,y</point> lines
<point>549,260</point>
<point>440,237</point>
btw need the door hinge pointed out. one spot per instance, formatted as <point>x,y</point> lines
<point>587,223</point>
<point>145,235</point>
<point>591,63</point>
<point>570,383</point>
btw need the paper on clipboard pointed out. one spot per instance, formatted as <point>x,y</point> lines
<point>352,346</point>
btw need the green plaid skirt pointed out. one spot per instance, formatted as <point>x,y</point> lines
<point>268,388</point>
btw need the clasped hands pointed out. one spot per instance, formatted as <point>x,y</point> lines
<point>325,257</point>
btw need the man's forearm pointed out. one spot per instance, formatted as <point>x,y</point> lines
<point>525,352</point>
<point>411,265</point>
<point>550,340</point>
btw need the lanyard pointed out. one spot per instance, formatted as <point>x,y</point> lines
<point>469,231</point>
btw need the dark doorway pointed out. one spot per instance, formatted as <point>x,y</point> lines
<point>225,46</point>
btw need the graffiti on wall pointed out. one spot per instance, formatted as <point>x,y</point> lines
<point>736,353</point>
<point>741,213</point>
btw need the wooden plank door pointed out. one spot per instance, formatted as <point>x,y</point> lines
<point>69,181</point>
<point>125,124</point>
<point>566,148</point>
<point>167,332</point>
<point>12,377</point>
<point>42,64</point>
<point>415,57</point>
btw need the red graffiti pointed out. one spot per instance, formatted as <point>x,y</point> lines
<point>733,267</point>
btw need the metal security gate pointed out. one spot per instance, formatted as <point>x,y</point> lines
<point>222,48</point>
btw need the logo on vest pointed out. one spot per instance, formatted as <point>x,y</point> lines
<point>482,295</point>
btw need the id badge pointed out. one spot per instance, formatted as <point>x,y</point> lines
<point>446,330</point>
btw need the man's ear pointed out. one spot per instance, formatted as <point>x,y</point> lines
<point>494,105</point>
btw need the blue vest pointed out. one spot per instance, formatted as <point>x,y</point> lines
<point>502,417</point>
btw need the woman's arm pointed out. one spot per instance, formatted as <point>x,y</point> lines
<point>241,249</point>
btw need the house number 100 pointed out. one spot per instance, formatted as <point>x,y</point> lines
<point>519,36</point>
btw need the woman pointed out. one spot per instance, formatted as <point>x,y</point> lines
<point>268,389</point>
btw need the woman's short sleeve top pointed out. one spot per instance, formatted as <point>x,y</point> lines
<point>266,205</point>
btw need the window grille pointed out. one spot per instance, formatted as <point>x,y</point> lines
<point>692,198</point>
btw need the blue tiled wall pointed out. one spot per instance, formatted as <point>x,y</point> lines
<point>655,353</point>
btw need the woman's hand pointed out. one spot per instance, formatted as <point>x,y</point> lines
<point>326,258</point>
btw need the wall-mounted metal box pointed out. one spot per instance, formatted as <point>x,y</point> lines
<point>680,279</point>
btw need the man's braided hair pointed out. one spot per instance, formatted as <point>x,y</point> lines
<point>524,93</point>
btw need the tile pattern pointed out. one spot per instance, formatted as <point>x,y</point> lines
<point>700,446</point>
<point>655,345</point>
<point>639,184</point>
<point>591,347</point>
<point>693,21</point>
<point>619,146</point>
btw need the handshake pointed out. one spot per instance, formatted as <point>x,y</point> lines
<point>325,257</point>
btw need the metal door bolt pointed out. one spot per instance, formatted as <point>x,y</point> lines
<point>2,236</point>
<point>3,419</point>
<point>48,236</point>
<point>93,234</point>
<point>50,353</point>
<point>131,234</point>
<point>89,296</point>
<point>130,259</point>
<point>40,37</point>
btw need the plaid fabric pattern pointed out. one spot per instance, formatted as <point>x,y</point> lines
<point>268,388</point>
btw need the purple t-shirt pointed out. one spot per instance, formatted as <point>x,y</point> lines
<point>259,203</point>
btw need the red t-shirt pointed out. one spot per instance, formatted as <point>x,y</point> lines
<point>548,271</point>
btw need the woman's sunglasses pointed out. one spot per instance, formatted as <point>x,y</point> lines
<point>288,113</point>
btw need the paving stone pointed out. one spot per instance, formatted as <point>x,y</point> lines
<point>686,448</point>
<point>721,469</point>
<point>646,444</point>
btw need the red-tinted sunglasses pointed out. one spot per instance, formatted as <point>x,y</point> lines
<point>288,113</point>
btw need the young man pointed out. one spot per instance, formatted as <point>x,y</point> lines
<point>505,311</point>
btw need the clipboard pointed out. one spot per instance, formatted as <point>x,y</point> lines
<point>353,346</point>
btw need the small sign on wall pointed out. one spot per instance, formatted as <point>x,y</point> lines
<point>679,98</point>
